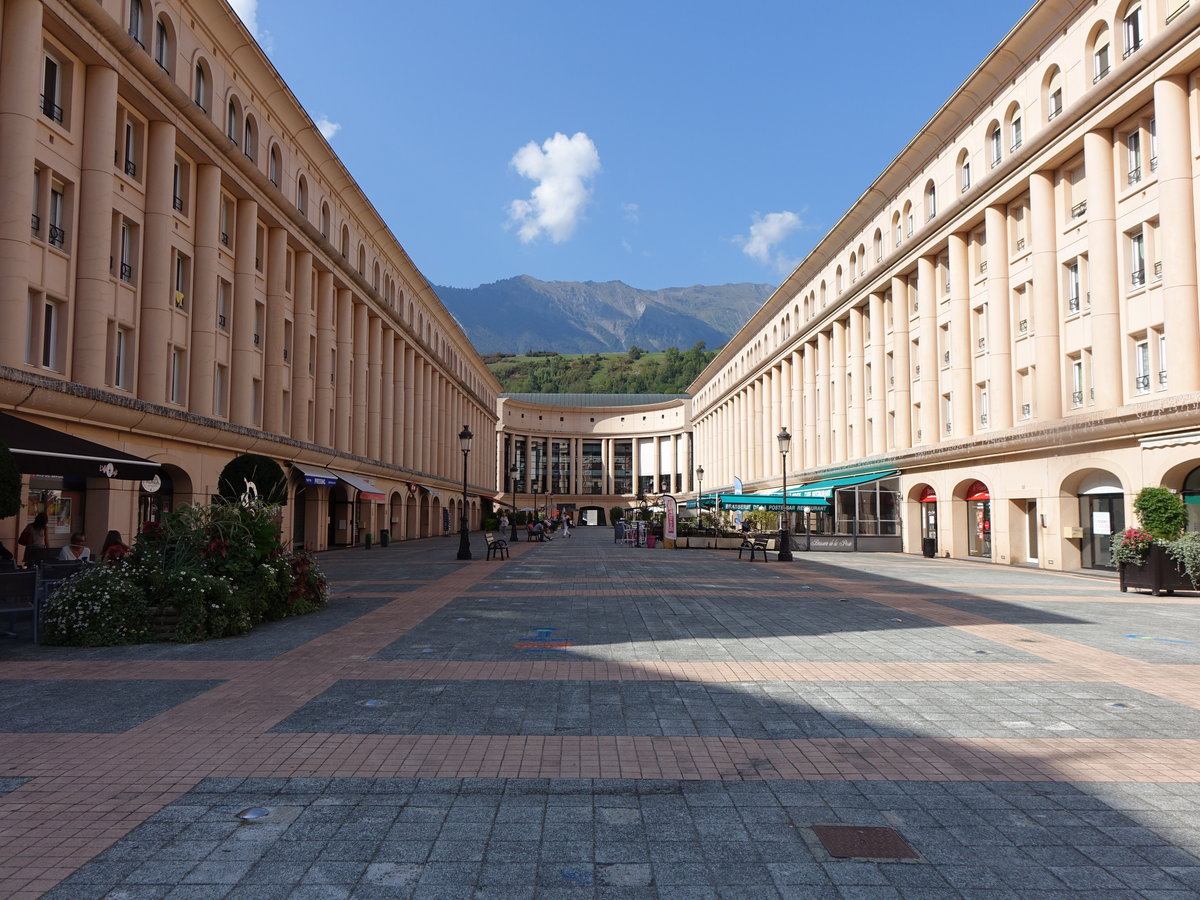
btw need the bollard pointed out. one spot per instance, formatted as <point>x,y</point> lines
<point>367,541</point>
<point>384,536</point>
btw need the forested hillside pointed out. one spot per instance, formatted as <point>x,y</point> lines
<point>633,372</point>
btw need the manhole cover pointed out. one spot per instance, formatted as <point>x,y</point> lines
<point>846,841</point>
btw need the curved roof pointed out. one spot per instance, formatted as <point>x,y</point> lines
<point>596,400</point>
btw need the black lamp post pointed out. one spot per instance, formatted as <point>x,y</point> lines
<point>513,472</point>
<point>464,532</point>
<point>785,541</point>
<point>700,493</point>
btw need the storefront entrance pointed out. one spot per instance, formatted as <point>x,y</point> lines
<point>979,521</point>
<point>1102,515</point>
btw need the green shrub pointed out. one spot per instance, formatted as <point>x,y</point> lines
<point>220,568</point>
<point>617,512</point>
<point>1161,512</point>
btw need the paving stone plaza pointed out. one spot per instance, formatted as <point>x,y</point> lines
<point>594,720</point>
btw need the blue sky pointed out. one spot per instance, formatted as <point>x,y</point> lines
<point>659,144</point>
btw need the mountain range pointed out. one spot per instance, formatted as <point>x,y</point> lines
<point>519,314</point>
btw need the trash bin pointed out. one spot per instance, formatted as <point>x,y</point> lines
<point>929,547</point>
<point>384,537</point>
<point>650,541</point>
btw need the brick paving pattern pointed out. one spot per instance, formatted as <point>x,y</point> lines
<point>593,720</point>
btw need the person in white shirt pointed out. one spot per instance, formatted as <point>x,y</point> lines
<point>76,551</point>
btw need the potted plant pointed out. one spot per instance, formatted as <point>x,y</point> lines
<point>1149,558</point>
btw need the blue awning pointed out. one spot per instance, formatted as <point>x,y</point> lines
<point>823,490</point>
<point>315,474</point>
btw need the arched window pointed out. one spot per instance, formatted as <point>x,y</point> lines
<point>1101,51</point>
<point>853,267</point>
<point>910,224</point>
<point>302,195</point>
<point>837,280</point>
<point>964,171</point>
<point>878,242</point>
<point>362,260</point>
<point>1133,29</point>
<point>995,144</point>
<point>274,167</point>
<point>1013,121</point>
<point>896,229</point>
<point>164,45</point>
<point>1052,93</point>
<point>233,120</point>
<point>930,200</point>
<point>200,88</point>
<point>345,242</point>
<point>862,260</point>
<point>325,220</point>
<point>136,22</point>
<point>375,277</point>
<point>824,298</point>
<point>250,140</point>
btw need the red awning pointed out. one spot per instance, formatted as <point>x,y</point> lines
<point>929,495</point>
<point>978,491</point>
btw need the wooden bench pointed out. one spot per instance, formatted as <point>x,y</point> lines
<point>497,548</point>
<point>758,545</point>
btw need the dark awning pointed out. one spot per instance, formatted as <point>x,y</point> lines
<point>45,451</point>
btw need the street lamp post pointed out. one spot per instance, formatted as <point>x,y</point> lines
<point>513,473</point>
<point>700,493</point>
<point>464,533</point>
<point>785,541</point>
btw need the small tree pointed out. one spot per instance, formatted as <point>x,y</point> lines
<point>263,472</point>
<point>617,512</point>
<point>10,484</point>
<point>1162,512</point>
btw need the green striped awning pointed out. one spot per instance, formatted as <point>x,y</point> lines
<point>823,490</point>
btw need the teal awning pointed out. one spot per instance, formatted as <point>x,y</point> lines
<point>768,501</point>
<point>823,490</point>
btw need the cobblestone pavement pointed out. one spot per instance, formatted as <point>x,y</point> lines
<point>594,720</point>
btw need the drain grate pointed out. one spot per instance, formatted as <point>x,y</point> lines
<point>852,841</point>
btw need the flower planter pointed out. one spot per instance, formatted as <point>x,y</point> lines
<point>1158,574</point>
<point>164,621</point>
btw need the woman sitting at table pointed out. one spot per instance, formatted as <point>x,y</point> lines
<point>76,551</point>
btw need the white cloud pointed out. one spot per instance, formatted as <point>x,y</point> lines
<point>562,168</point>
<point>766,232</point>
<point>247,11</point>
<point>632,212</point>
<point>327,128</point>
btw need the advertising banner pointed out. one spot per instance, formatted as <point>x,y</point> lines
<point>672,511</point>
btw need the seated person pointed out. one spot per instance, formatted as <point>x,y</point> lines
<point>114,548</point>
<point>76,551</point>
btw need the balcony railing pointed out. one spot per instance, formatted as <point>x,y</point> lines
<point>127,273</point>
<point>983,265</point>
<point>1162,377</point>
<point>1021,243</point>
<point>177,202</point>
<point>1073,304</point>
<point>57,236</point>
<point>1100,74</point>
<point>1138,277</point>
<point>916,371</point>
<point>1135,174</point>
<point>983,419</point>
<point>52,110</point>
<point>1141,383</point>
<point>257,339</point>
<point>130,168</point>
<point>946,358</point>
<point>1158,271</point>
<point>222,321</point>
<point>949,428</point>
<point>35,223</point>
<point>225,238</point>
<point>1023,326</point>
<point>1079,210</point>
<point>1077,399</point>
<point>1026,410</point>
<point>981,343</point>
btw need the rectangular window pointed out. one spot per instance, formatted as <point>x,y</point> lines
<point>50,328</point>
<point>1153,145</point>
<point>1100,64</point>
<point>221,390</point>
<point>1076,383</point>
<point>224,290</point>
<point>1137,259</point>
<point>1073,288</point>
<point>130,150</point>
<point>981,402</point>
<point>178,370</point>
<point>177,188</point>
<point>909,224</point>
<point>1055,103</point>
<point>259,318</point>
<point>121,357</point>
<point>1141,367</point>
<point>1015,130</point>
<point>1133,30</point>
<point>58,232</point>
<point>996,144</point>
<point>1133,156</point>
<point>226,221</point>
<point>1162,361</point>
<point>126,252</point>
<point>52,82</point>
<point>966,175</point>
<point>162,44</point>
<point>183,272</point>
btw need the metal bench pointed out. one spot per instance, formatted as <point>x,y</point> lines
<point>19,594</point>
<point>497,548</point>
<point>757,545</point>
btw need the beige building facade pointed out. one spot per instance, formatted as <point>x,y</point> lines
<point>1007,318</point>
<point>188,272</point>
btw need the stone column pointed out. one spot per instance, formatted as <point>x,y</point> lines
<point>20,70</point>
<point>824,401</point>
<point>362,352</point>
<point>930,363</point>
<point>811,441</point>
<point>878,405</point>
<point>304,327</point>
<point>961,352</point>
<point>900,378</point>
<point>387,399</point>
<point>1103,278</point>
<point>93,245</point>
<point>409,454</point>
<point>999,325</point>
<point>856,414</point>
<point>398,451</point>
<point>837,395</point>
<point>1177,233</point>
<point>203,342</point>
<point>1047,311</point>
<point>244,360</point>
<point>275,369</point>
<point>344,382</point>
<point>326,346</point>
<point>158,288</point>
<point>374,387</point>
